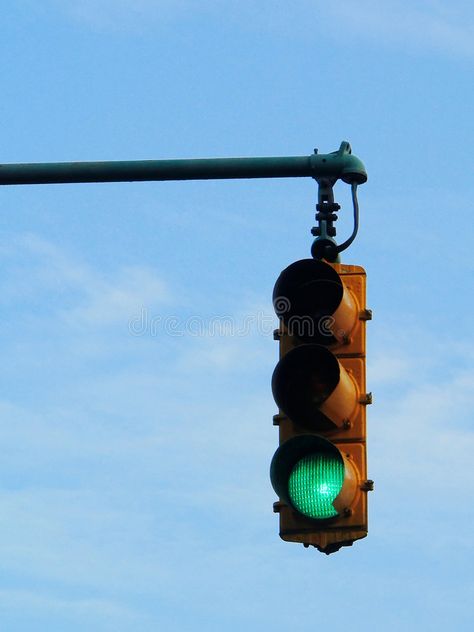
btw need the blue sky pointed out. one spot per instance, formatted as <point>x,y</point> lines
<point>134,487</point>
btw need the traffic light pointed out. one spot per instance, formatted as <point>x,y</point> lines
<point>319,470</point>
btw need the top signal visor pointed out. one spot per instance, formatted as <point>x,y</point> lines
<point>323,303</point>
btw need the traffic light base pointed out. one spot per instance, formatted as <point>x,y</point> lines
<point>296,528</point>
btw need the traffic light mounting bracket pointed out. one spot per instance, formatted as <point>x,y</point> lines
<point>325,246</point>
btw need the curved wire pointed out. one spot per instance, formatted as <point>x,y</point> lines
<point>355,203</point>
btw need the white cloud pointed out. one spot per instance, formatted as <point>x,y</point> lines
<point>83,296</point>
<point>120,478</point>
<point>85,610</point>
<point>118,299</point>
<point>422,24</point>
<point>88,539</point>
<point>232,342</point>
<point>387,367</point>
<point>426,24</point>
<point>120,14</point>
<point>421,446</point>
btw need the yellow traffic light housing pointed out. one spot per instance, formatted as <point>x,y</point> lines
<point>319,470</point>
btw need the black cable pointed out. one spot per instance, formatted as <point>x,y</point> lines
<point>355,203</point>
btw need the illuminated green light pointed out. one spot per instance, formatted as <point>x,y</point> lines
<point>314,483</point>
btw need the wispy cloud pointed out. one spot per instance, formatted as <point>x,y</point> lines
<point>123,14</point>
<point>110,474</point>
<point>88,611</point>
<point>79,294</point>
<point>425,24</point>
<point>422,24</point>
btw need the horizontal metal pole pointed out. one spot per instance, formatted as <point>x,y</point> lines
<point>340,164</point>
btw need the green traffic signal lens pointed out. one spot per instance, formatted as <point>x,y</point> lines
<point>314,483</point>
